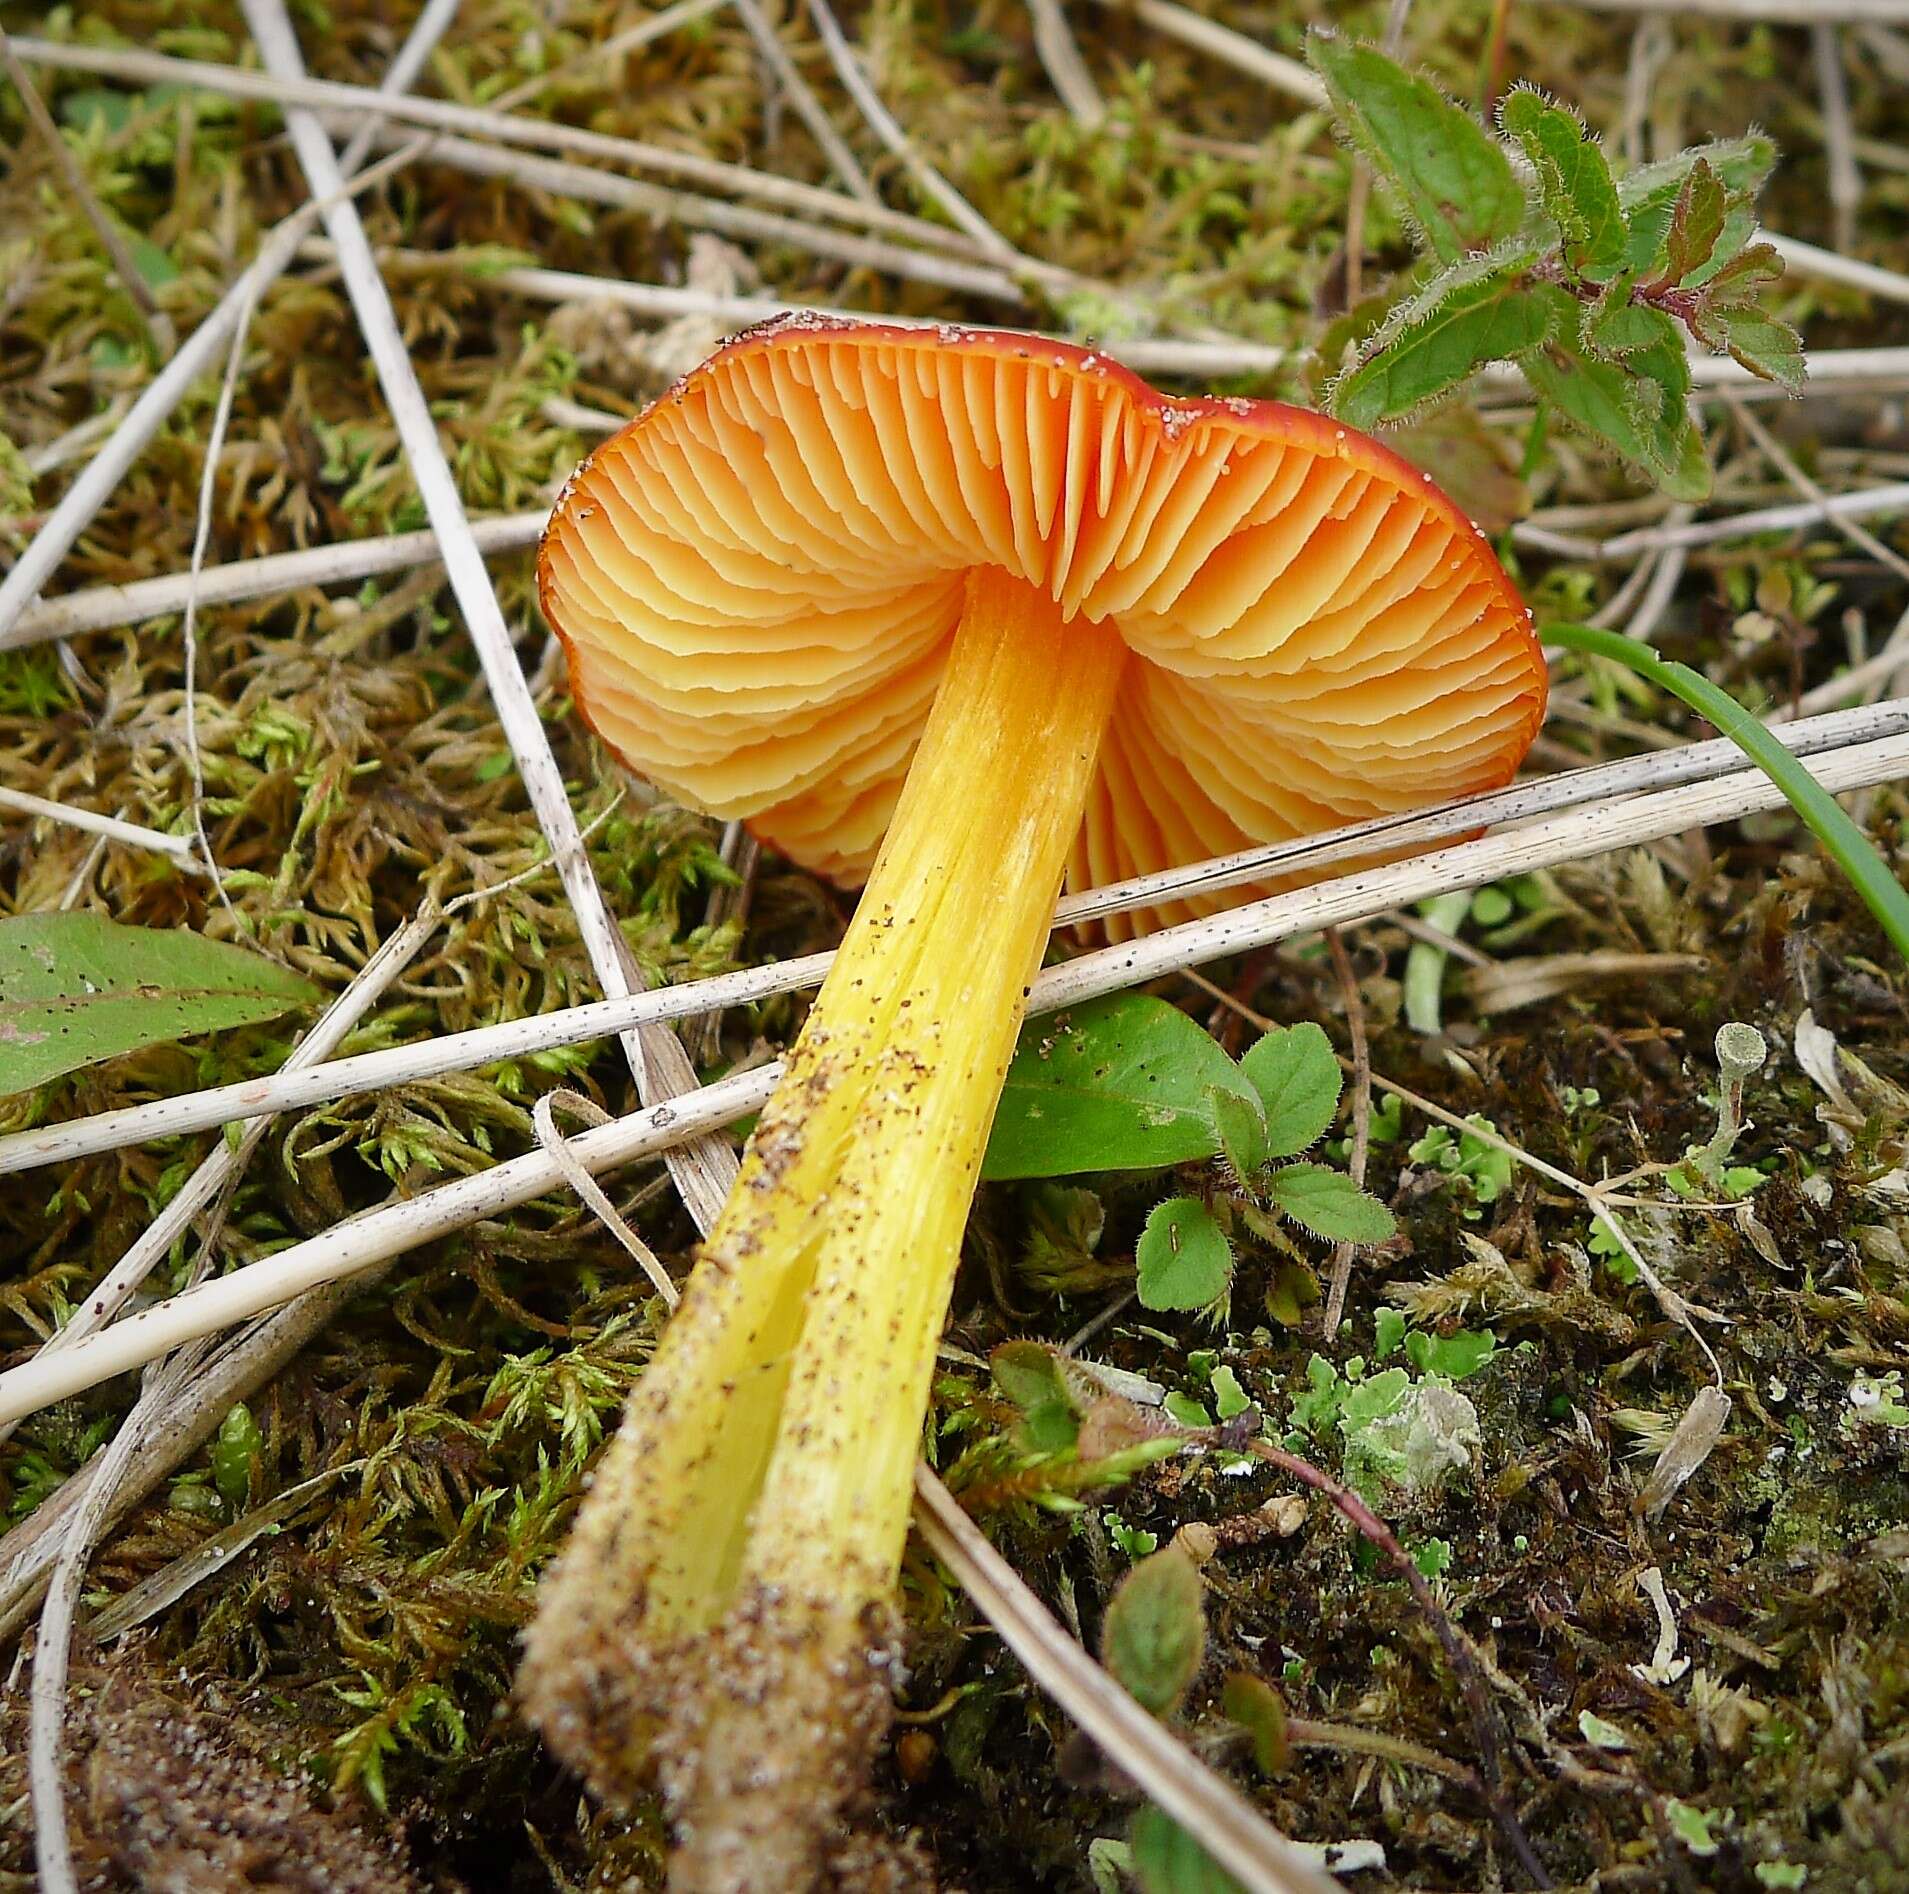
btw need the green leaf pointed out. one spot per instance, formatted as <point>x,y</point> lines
<point>1615,326</point>
<point>1167,1860</point>
<point>1471,315</point>
<point>1696,223</point>
<point>1453,1356</point>
<point>1241,1126</point>
<point>1636,407</point>
<point>1451,177</point>
<point>76,989</point>
<point>1116,1085</point>
<point>1229,1398</point>
<point>1851,849</point>
<point>1258,1708</point>
<point>235,1450</point>
<point>1295,1073</point>
<point>1767,347</point>
<point>1691,1826</point>
<point>1154,1634</point>
<point>1600,1734</point>
<point>1184,1259</point>
<point>1574,182</point>
<point>1649,198</point>
<point>1028,1373</point>
<point>1329,1204</point>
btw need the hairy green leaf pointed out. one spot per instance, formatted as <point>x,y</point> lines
<point>1574,182</point>
<point>1241,1125</point>
<point>1028,1373</point>
<point>1184,1259</point>
<point>1636,407</point>
<point>1117,1084</point>
<point>1258,1708</point>
<point>1451,177</point>
<point>1764,345</point>
<point>1295,1073</point>
<point>1167,1860</point>
<point>76,989</point>
<point>1154,1634</point>
<point>1458,323</point>
<point>1330,1204</point>
<point>1649,197</point>
<point>1696,223</point>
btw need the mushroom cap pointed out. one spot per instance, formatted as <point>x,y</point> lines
<point>757,580</point>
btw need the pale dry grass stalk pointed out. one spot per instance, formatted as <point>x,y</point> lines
<point>703,1173</point>
<point>1598,784</point>
<point>800,94</point>
<point>178,847</point>
<point>1274,70</point>
<point>359,104</point>
<point>1060,56</point>
<point>83,499</point>
<point>375,1236</point>
<point>886,127</point>
<point>158,324</point>
<point>1227,1826</point>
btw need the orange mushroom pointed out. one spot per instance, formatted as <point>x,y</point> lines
<point>955,612</point>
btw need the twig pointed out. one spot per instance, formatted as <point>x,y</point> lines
<point>1868,503</point>
<point>1066,70</point>
<point>357,104</point>
<point>1457,1647</point>
<point>188,635</point>
<point>227,1162</point>
<point>1779,12</point>
<point>664,205</point>
<point>544,1121</point>
<point>1361,1123</point>
<point>1785,463</point>
<point>179,847</point>
<point>775,55</point>
<point>1233,49</point>
<point>1832,90</point>
<point>1832,735</point>
<point>1361,187</point>
<point>376,1235</point>
<point>702,1174</point>
<point>1207,1806</point>
<point>883,123</point>
<point>195,355</point>
<point>158,324</point>
<point>655,26</point>
<point>1806,259</point>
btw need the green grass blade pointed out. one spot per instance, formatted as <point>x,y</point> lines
<point>1853,851</point>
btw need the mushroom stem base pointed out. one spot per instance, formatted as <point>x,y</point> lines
<point>725,1607</point>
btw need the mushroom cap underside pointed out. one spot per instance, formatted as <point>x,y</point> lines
<point>757,580</point>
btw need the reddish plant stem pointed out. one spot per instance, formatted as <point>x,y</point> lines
<point>1458,1653</point>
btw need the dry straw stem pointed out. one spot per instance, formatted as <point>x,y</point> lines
<point>521,1038</point>
<point>359,104</point>
<point>657,1059</point>
<point>1780,12</point>
<point>1868,503</point>
<point>801,95</point>
<point>1273,70</point>
<point>1227,1826</point>
<point>1066,70</point>
<point>377,1235</point>
<point>178,847</point>
<point>228,1161</point>
<point>153,409</point>
<point>158,323</point>
<point>883,123</point>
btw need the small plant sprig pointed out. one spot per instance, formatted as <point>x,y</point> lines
<point>1533,252</point>
<point>1131,1083</point>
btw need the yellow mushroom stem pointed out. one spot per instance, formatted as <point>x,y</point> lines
<point>724,1613</point>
